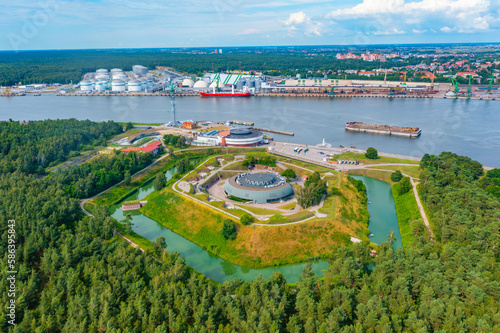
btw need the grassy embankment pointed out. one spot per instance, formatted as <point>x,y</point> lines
<point>413,171</point>
<point>408,214</point>
<point>261,246</point>
<point>380,160</point>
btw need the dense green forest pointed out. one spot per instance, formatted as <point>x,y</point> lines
<point>74,276</point>
<point>31,147</point>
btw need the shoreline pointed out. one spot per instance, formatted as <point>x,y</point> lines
<point>438,95</point>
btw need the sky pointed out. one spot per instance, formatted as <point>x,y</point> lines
<point>91,24</point>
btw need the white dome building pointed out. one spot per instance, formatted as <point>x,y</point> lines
<point>118,85</point>
<point>187,83</point>
<point>214,84</point>
<point>134,85</point>
<point>201,84</point>
<point>86,85</point>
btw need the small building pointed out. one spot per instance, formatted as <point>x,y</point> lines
<point>133,205</point>
<point>153,147</point>
<point>189,125</point>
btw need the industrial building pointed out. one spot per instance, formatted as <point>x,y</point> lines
<point>140,70</point>
<point>235,137</point>
<point>259,187</point>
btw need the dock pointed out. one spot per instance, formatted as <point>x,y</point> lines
<point>273,131</point>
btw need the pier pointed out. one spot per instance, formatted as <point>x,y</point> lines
<point>273,131</point>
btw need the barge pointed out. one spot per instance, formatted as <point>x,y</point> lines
<point>409,132</point>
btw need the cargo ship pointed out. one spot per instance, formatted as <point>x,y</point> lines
<point>409,132</point>
<point>219,94</point>
<point>224,94</point>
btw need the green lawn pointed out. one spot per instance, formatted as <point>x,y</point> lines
<point>260,211</point>
<point>408,213</point>
<point>362,159</point>
<point>413,171</point>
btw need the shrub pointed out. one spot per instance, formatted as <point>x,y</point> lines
<point>247,219</point>
<point>371,153</point>
<point>396,176</point>
<point>229,229</point>
<point>289,174</point>
<point>404,186</point>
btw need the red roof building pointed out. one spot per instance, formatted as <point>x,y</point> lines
<point>189,125</point>
<point>150,148</point>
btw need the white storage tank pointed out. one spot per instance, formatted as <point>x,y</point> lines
<point>118,85</point>
<point>102,76</point>
<point>100,85</point>
<point>187,83</point>
<point>86,85</point>
<point>119,76</point>
<point>134,85</point>
<point>144,83</point>
<point>201,84</point>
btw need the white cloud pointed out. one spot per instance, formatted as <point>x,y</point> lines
<point>468,15</point>
<point>296,18</point>
<point>447,29</point>
<point>300,21</point>
<point>416,31</point>
<point>248,32</point>
<point>394,31</point>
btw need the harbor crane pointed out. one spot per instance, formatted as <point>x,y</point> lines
<point>172,89</point>
<point>456,90</point>
<point>468,93</point>
<point>490,84</point>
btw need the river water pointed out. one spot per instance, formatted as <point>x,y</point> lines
<point>466,127</point>
<point>382,210</point>
<point>383,219</point>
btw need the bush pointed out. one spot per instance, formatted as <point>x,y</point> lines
<point>160,181</point>
<point>229,229</point>
<point>289,174</point>
<point>396,176</point>
<point>247,219</point>
<point>371,153</point>
<point>404,186</point>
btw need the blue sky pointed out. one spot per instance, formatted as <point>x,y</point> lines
<point>75,24</point>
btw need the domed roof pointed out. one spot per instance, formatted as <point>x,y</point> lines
<point>118,81</point>
<point>201,84</point>
<point>134,81</point>
<point>85,82</point>
<point>214,84</point>
<point>188,82</point>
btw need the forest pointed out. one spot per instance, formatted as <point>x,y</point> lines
<point>74,276</point>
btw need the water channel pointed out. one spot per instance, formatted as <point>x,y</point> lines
<point>222,270</point>
<point>466,127</point>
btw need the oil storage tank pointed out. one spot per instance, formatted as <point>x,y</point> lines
<point>85,85</point>
<point>118,85</point>
<point>134,85</point>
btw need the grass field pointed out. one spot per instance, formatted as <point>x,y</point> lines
<point>384,176</point>
<point>260,246</point>
<point>408,214</point>
<point>362,159</point>
<point>259,211</point>
<point>290,205</point>
<point>413,171</point>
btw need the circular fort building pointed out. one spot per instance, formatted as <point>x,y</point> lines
<point>241,137</point>
<point>258,187</point>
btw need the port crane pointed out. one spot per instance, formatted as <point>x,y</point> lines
<point>490,84</point>
<point>456,90</point>
<point>171,93</point>
<point>468,93</point>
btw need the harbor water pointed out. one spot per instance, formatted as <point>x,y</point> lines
<point>466,127</point>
